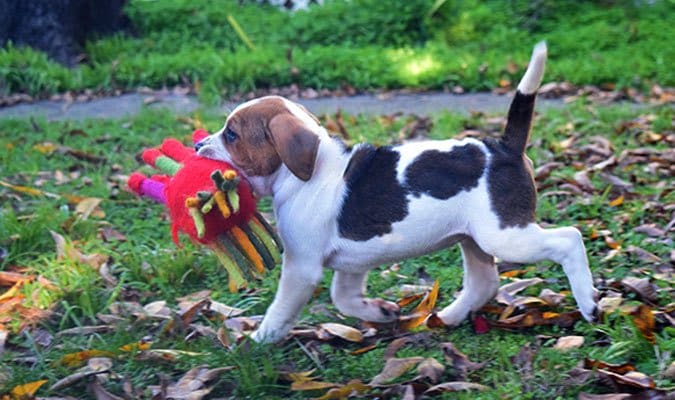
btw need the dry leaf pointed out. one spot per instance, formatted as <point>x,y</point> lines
<point>312,385</point>
<point>569,342</point>
<point>363,350</point>
<point>506,292</point>
<point>431,369</point>
<point>643,318</point>
<point>422,311</point>
<point>192,386</point>
<point>27,390</point>
<point>631,379</point>
<point>616,202</point>
<point>343,331</point>
<point>89,206</point>
<point>394,368</point>
<point>78,358</point>
<point>640,286</point>
<point>454,387</point>
<point>459,361</point>
<point>354,387</point>
<point>66,250</point>
<point>609,396</point>
<point>608,305</point>
<point>100,393</point>
<point>617,368</point>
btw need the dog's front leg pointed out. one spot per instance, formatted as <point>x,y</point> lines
<point>298,280</point>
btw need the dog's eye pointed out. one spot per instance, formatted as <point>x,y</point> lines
<point>230,136</point>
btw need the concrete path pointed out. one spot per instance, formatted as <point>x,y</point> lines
<point>130,104</point>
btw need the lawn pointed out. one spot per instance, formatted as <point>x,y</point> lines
<point>222,48</point>
<point>96,301</point>
<point>604,169</point>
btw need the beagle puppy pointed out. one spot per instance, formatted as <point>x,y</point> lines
<point>351,210</point>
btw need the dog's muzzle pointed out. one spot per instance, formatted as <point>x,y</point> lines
<point>199,145</point>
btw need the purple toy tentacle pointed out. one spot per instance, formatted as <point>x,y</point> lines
<point>154,190</point>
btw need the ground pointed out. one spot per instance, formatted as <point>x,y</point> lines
<point>606,169</point>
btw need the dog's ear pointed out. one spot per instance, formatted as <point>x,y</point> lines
<point>296,145</point>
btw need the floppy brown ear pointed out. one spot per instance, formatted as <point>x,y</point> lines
<point>296,145</point>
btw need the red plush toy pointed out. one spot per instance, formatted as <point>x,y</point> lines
<point>208,201</point>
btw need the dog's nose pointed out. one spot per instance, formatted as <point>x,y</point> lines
<point>199,145</point>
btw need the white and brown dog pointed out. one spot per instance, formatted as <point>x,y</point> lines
<point>352,210</point>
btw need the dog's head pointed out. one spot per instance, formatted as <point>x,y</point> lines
<point>262,135</point>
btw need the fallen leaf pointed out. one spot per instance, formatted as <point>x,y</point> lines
<point>394,368</point>
<point>459,361</point>
<point>506,292</point>
<point>27,390</point>
<point>66,250</point>
<point>422,311</point>
<point>312,385</point>
<point>100,393</point>
<point>609,396</point>
<point>96,365</point>
<point>354,387</point>
<point>455,387</point>
<point>343,331</point>
<point>193,385</point>
<point>480,325</point>
<point>430,369</point>
<point>618,368</point>
<point>643,319</point>
<point>616,202</point>
<point>409,299</point>
<point>633,379</point>
<point>551,298</point>
<point>141,345</point>
<point>89,206</point>
<point>78,358</point>
<point>566,343</point>
<point>608,305</point>
<point>363,350</point>
<point>650,230</point>
<point>640,286</point>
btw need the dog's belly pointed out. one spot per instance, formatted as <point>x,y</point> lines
<point>431,225</point>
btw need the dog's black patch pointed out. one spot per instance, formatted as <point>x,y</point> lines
<point>443,174</point>
<point>511,187</point>
<point>375,199</point>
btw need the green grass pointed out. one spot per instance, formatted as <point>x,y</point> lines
<point>366,44</point>
<point>149,267</point>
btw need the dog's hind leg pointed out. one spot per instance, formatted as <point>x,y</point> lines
<point>347,292</point>
<point>562,245</point>
<point>480,283</point>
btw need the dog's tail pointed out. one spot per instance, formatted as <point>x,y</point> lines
<point>518,124</point>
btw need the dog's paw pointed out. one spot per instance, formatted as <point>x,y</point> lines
<point>378,310</point>
<point>453,314</point>
<point>589,307</point>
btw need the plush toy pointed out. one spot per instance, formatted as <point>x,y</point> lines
<point>208,201</point>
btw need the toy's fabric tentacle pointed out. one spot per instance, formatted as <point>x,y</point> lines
<point>198,135</point>
<point>147,187</point>
<point>157,159</point>
<point>176,150</point>
<point>236,279</point>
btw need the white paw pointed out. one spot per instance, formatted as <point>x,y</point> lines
<point>453,314</point>
<point>378,310</point>
<point>588,306</point>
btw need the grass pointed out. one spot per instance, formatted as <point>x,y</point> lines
<point>365,44</point>
<point>150,268</point>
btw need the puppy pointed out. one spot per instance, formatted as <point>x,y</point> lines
<point>352,210</point>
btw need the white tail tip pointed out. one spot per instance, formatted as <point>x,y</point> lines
<point>535,70</point>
